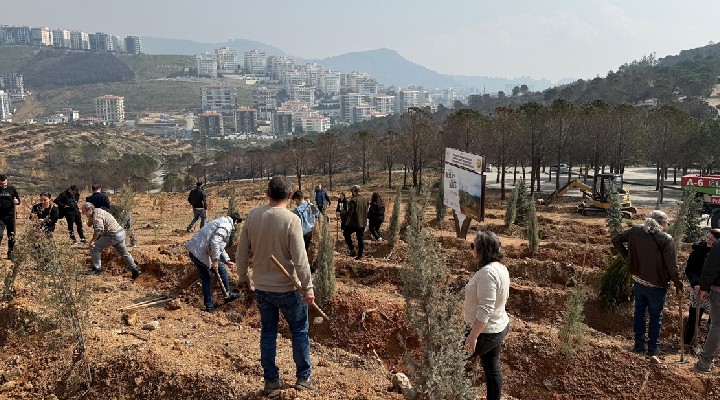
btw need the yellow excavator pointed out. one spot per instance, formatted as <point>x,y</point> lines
<point>596,200</point>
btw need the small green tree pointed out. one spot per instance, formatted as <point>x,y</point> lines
<point>614,219</point>
<point>680,224</point>
<point>394,227</point>
<point>126,200</point>
<point>432,312</point>
<point>440,209</point>
<point>523,205</point>
<point>232,204</point>
<point>693,231</point>
<point>573,331</point>
<point>325,283</point>
<point>533,230</point>
<point>616,284</point>
<point>511,209</point>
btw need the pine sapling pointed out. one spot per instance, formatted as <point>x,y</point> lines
<point>614,218</point>
<point>533,230</point>
<point>693,231</point>
<point>523,204</point>
<point>511,209</point>
<point>394,227</point>
<point>325,283</point>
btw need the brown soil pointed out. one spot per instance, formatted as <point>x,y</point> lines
<point>195,354</point>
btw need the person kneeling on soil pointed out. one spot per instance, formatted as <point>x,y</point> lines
<point>106,232</point>
<point>207,251</point>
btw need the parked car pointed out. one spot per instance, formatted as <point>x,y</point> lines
<point>559,168</point>
<point>488,167</point>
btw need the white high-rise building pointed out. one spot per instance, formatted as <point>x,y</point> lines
<point>206,65</point>
<point>405,99</point>
<point>329,82</point>
<point>79,40</point>
<point>226,59</point>
<point>315,124</point>
<point>110,109</point>
<point>41,36</point>
<point>4,106</point>
<point>384,104</point>
<point>118,44</point>
<point>280,66</point>
<point>61,38</point>
<point>133,45</point>
<point>305,94</point>
<point>255,62</point>
<point>219,98</point>
<point>265,102</point>
<point>347,102</point>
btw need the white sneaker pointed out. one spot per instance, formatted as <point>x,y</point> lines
<point>380,239</point>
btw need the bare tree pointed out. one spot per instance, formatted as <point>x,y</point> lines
<point>364,141</point>
<point>329,148</point>
<point>420,141</point>
<point>298,148</point>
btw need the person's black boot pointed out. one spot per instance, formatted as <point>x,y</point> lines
<point>135,273</point>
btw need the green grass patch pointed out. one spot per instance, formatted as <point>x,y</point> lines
<point>147,66</point>
<point>13,58</point>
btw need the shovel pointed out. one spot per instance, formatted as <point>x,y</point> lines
<point>296,284</point>
<point>222,286</point>
<point>682,347</point>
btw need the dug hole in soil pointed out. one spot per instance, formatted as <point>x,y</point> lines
<point>198,355</point>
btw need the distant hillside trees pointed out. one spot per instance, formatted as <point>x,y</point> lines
<point>52,68</point>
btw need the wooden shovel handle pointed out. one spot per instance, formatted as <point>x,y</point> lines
<point>296,284</point>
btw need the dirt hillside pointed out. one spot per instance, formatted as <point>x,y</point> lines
<point>194,354</point>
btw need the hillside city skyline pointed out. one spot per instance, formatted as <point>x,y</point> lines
<point>552,41</point>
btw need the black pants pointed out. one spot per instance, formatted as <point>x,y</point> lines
<point>73,217</point>
<point>690,327</point>
<point>7,223</point>
<point>375,227</point>
<point>488,348</point>
<point>359,232</point>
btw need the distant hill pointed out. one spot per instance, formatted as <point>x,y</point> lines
<point>153,45</point>
<point>490,84</point>
<point>55,68</point>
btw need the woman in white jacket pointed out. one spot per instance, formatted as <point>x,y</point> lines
<point>484,308</point>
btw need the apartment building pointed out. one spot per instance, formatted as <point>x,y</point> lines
<point>255,62</point>
<point>41,37</point>
<point>406,98</point>
<point>4,106</point>
<point>265,102</point>
<point>362,112</point>
<point>61,38</point>
<point>100,41</point>
<point>312,72</point>
<point>13,85</point>
<point>227,60</point>
<point>219,98</point>
<point>298,117</point>
<point>206,65</point>
<point>283,123</point>
<point>118,44</point>
<point>133,45</point>
<point>79,40</point>
<point>315,124</point>
<point>329,82</point>
<point>304,94</point>
<point>280,66</point>
<point>347,102</point>
<point>211,124</point>
<point>110,109</point>
<point>17,35</point>
<point>246,120</point>
<point>384,104</point>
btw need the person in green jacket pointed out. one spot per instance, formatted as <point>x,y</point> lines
<point>356,217</point>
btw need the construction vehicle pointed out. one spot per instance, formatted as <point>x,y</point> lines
<point>596,200</point>
<point>707,187</point>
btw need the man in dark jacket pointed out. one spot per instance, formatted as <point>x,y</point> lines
<point>321,198</point>
<point>197,200</point>
<point>710,287</point>
<point>653,263</point>
<point>98,198</point>
<point>356,215</point>
<point>9,198</point>
<point>67,202</point>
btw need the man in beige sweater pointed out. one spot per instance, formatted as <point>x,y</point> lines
<point>273,230</point>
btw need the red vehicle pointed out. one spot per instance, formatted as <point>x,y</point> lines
<point>707,187</point>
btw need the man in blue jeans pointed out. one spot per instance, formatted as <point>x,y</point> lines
<point>653,263</point>
<point>273,230</point>
<point>207,252</point>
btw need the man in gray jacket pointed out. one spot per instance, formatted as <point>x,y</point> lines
<point>207,252</point>
<point>653,264</point>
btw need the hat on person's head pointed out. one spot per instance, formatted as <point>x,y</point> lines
<point>297,195</point>
<point>355,188</point>
<point>659,216</point>
<point>198,184</point>
<point>235,217</point>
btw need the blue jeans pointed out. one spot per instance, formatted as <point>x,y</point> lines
<point>295,310</point>
<point>206,280</point>
<point>651,300</point>
<point>488,348</point>
<point>198,213</point>
<point>116,240</point>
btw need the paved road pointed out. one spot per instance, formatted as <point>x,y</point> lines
<point>640,181</point>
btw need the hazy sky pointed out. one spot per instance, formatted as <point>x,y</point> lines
<point>551,39</point>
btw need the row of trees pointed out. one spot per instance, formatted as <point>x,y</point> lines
<point>525,139</point>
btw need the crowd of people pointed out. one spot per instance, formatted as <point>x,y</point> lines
<point>274,234</point>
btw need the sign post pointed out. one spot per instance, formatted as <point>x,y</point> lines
<point>464,185</point>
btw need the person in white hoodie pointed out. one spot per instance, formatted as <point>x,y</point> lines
<point>486,320</point>
<point>207,252</point>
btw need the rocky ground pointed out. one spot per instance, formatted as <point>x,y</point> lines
<point>195,354</point>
